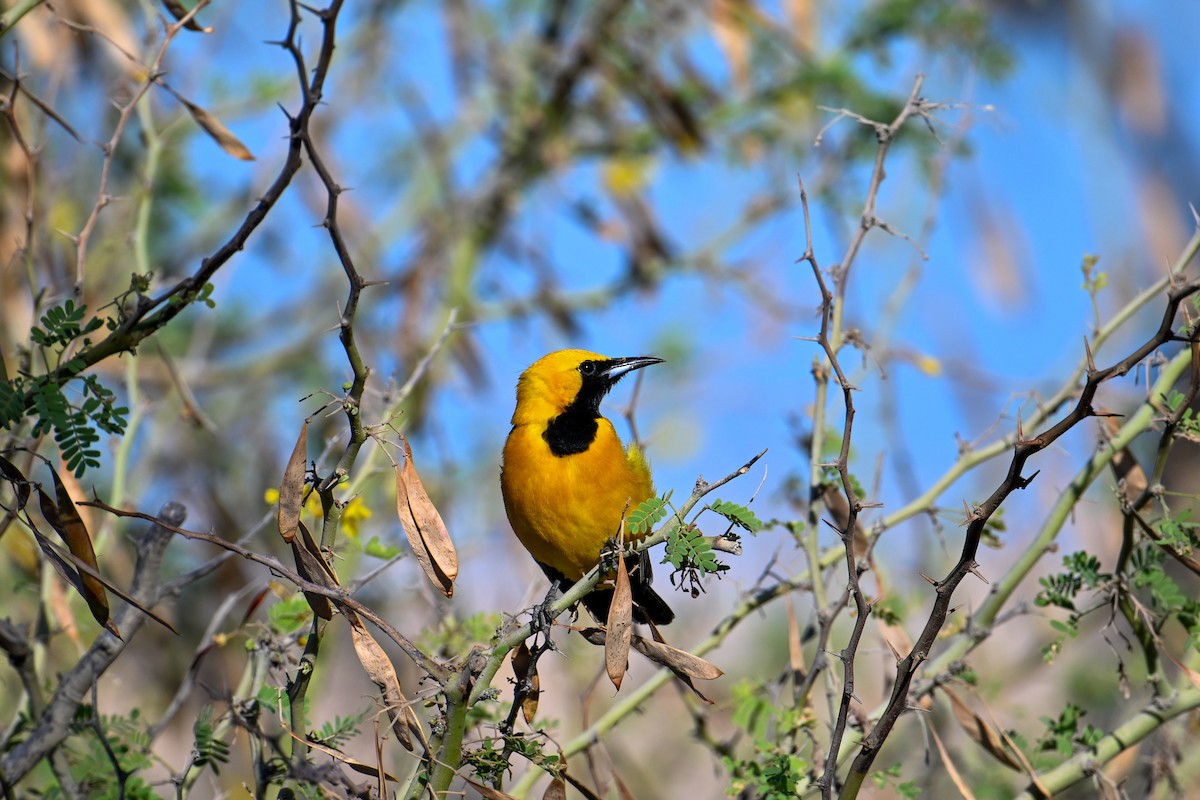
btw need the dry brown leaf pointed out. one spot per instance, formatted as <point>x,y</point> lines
<point>61,565</point>
<point>382,673</point>
<point>291,489</point>
<point>78,498</point>
<point>592,635</point>
<point>979,730</point>
<point>65,519</point>
<point>313,567</point>
<point>216,129</point>
<point>951,770</point>
<point>683,664</point>
<point>423,525</point>
<point>619,627</point>
<point>72,568</point>
<point>522,661</point>
<point>1015,750</point>
<point>179,11</point>
<point>678,661</point>
<point>488,792</point>
<point>557,790</point>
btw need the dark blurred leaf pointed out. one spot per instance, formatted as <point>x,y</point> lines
<point>20,484</point>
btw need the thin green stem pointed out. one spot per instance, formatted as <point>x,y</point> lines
<point>1145,722</point>
<point>450,752</point>
<point>974,458</point>
<point>978,626</point>
<point>13,15</point>
<point>1003,589</point>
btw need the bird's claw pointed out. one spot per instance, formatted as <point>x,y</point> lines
<point>543,615</point>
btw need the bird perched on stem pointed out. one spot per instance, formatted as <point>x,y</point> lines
<point>567,479</point>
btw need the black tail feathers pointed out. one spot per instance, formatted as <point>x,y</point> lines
<point>648,605</point>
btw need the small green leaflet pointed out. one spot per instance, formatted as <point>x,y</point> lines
<point>739,515</point>
<point>688,547</point>
<point>380,550</point>
<point>648,514</point>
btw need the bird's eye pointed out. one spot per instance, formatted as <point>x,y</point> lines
<point>587,368</point>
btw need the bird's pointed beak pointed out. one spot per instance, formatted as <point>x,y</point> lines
<point>618,367</point>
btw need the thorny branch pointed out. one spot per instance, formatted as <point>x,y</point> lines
<point>53,724</point>
<point>153,72</point>
<point>831,338</point>
<point>1023,450</point>
<point>428,665</point>
<point>853,568</point>
<point>151,313</point>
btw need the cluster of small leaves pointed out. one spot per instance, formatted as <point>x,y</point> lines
<point>208,750</point>
<point>271,699</point>
<point>1188,426</point>
<point>62,325</point>
<point>648,513</point>
<point>739,515</point>
<point>1063,734</point>
<point>886,610</point>
<point>339,730</point>
<point>1082,570</point>
<point>693,557</point>
<point>1093,280</point>
<point>201,295</point>
<point>75,424</point>
<point>92,767</point>
<point>1062,589</point>
<point>1166,597</point>
<point>1179,532</point>
<point>288,616</point>
<point>773,770</point>
<point>891,776</point>
<point>490,761</point>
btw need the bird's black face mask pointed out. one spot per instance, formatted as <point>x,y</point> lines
<point>574,430</point>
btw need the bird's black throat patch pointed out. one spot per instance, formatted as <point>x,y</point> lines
<point>574,430</point>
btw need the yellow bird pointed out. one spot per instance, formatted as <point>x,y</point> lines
<point>567,478</point>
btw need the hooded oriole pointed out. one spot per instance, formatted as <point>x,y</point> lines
<point>567,478</point>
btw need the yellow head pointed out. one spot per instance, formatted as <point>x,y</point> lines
<point>566,378</point>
